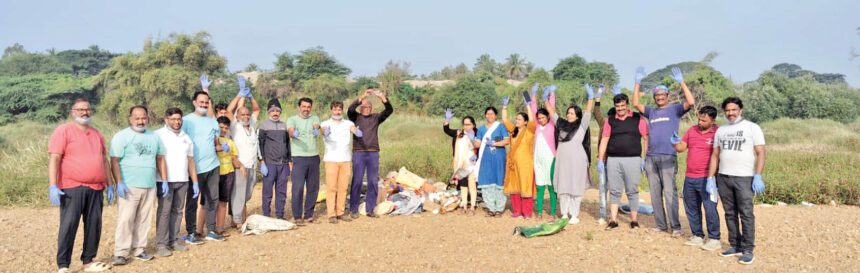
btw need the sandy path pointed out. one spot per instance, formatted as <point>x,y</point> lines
<point>789,239</point>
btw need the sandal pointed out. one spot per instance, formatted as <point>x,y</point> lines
<point>96,267</point>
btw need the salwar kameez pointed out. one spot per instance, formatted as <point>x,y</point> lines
<point>519,175</point>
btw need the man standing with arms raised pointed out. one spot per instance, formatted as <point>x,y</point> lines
<point>77,176</point>
<point>365,149</point>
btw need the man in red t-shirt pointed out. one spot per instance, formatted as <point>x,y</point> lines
<point>77,175</point>
<point>699,140</point>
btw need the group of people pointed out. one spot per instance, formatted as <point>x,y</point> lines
<point>552,155</point>
<point>203,165</point>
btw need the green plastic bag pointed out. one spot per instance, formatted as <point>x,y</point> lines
<point>548,228</point>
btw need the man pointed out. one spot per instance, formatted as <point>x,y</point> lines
<point>338,161</point>
<point>245,137</point>
<point>179,158</point>
<point>624,139</point>
<point>221,110</point>
<point>135,155</point>
<point>739,156</point>
<point>275,161</point>
<point>365,150</point>
<point>699,140</point>
<point>77,175</point>
<point>203,130</point>
<point>661,162</point>
<point>304,129</point>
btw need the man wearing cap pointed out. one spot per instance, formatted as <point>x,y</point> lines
<point>661,162</point>
<point>365,150</point>
<point>275,162</point>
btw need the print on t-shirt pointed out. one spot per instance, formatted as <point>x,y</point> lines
<point>733,142</point>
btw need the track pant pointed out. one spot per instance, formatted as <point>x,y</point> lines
<point>169,213</point>
<point>306,177</point>
<point>661,171</point>
<point>79,202</point>
<point>364,162</point>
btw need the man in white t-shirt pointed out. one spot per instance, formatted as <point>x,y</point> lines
<point>179,159</point>
<point>739,156</point>
<point>246,139</point>
<point>337,137</point>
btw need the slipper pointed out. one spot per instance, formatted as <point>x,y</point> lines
<point>63,270</point>
<point>97,267</point>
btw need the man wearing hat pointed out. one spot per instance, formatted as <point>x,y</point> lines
<point>275,163</point>
<point>661,162</point>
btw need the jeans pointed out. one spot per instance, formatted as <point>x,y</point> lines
<point>695,197</point>
<point>737,196</point>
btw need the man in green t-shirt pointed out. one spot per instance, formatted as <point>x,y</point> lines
<point>304,130</point>
<point>136,153</point>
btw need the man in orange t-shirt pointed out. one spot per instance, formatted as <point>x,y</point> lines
<point>77,175</point>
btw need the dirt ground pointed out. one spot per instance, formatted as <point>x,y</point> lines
<point>788,239</point>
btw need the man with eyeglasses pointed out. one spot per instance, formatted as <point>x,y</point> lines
<point>77,176</point>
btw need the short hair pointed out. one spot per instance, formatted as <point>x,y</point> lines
<point>491,108</point>
<point>709,111</point>
<point>198,93</point>
<point>131,110</point>
<point>621,98</point>
<point>543,111</point>
<point>305,99</point>
<point>220,106</point>
<point>224,120</point>
<point>172,111</point>
<point>336,104</point>
<point>734,100</point>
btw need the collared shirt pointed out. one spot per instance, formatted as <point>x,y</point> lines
<point>178,147</point>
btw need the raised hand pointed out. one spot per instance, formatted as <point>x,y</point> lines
<point>616,89</point>
<point>640,74</point>
<point>241,81</point>
<point>535,89</point>
<point>54,194</point>
<point>449,114</point>
<point>589,91</point>
<point>505,101</point>
<point>546,92</point>
<point>675,138</point>
<point>204,82</point>
<point>677,75</point>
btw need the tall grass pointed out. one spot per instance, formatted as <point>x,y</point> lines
<point>807,160</point>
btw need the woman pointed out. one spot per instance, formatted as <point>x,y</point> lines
<point>519,178</point>
<point>465,155</point>
<point>544,152</point>
<point>573,153</point>
<point>491,140</point>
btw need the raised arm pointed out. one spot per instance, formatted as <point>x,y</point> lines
<point>689,99</point>
<point>231,108</point>
<point>640,74</point>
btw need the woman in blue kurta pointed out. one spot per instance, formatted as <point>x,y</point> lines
<point>492,138</point>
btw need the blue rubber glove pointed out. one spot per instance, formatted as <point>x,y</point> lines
<point>316,132</point>
<point>711,185</point>
<point>473,158</point>
<point>545,93</point>
<point>616,89</point>
<point>589,91</point>
<point>358,133</point>
<point>225,147</point>
<point>164,188</point>
<point>758,184</point>
<point>491,143</point>
<point>640,74</point>
<point>296,133</point>
<point>54,194</point>
<point>506,100</point>
<point>643,165</point>
<point>677,75</point>
<point>535,89</point>
<point>470,134</point>
<point>326,131</point>
<point>110,194</point>
<point>121,190</point>
<point>195,188</point>
<point>204,82</point>
<point>675,138</point>
<point>241,81</point>
<point>449,114</point>
<point>600,89</point>
<point>246,92</point>
<point>264,170</point>
<point>552,88</point>
<point>601,167</point>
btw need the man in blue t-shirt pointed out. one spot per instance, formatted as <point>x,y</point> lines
<point>661,162</point>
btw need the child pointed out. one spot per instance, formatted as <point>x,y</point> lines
<point>229,162</point>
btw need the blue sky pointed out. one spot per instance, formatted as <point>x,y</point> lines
<point>751,36</point>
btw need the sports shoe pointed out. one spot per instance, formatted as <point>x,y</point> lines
<point>332,220</point>
<point>344,218</point>
<point>214,237</point>
<point>143,256</point>
<point>192,239</point>
<point>299,222</point>
<point>746,258</point>
<point>119,260</point>
<point>179,247</point>
<point>634,225</point>
<point>372,215</point>
<point>695,241</point>
<point>656,230</point>
<point>354,215</point>
<point>163,252</point>
<point>731,252</point>
<point>573,221</point>
<point>612,225</point>
<point>677,233</point>
<point>712,245</point>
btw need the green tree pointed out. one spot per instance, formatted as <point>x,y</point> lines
<point>42,97</point>
<point>325,89</point>
<point>515,67</point>
<point>314,62</point>
<point>576,68</point>
<point>251,67</point>
<point>391,79</point>
<point>86,62</point>
<point>164,75</point>
<point>486,64</point>
<point>469,96</point>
